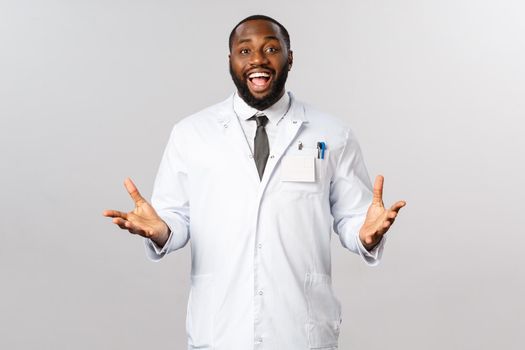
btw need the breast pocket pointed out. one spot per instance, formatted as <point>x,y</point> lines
<point>324,312</point>
<point>298,184</point>
<point>199,317</point>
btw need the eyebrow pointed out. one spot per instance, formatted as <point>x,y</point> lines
<point>268,37</point>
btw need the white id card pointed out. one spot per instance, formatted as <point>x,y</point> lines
<point>298,168</point>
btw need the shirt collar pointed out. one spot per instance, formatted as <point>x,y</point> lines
<point>274,113</point>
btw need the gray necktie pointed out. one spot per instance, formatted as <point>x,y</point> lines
<point>261,146</point>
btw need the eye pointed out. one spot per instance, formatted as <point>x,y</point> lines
<point>244,51</point>
<point>272,49</point>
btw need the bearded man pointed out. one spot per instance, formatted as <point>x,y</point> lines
<point>256,183</point>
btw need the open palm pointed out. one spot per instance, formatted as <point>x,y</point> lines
<point>378,219</point>
<point>143,220</point>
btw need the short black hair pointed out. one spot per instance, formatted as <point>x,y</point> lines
<point>284,32</point>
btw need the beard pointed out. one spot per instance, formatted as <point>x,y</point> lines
<point>273,96</point>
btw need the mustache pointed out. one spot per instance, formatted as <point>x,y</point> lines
<point>260,104</point>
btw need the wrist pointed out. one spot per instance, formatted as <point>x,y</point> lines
<point>370,247</point>
<point>162,237</point>
<point>369,242</point>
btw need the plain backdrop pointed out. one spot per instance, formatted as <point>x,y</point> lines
<point>89,91</point>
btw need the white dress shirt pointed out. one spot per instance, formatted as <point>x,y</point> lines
<point>261,260</point>
<point>275,114</point>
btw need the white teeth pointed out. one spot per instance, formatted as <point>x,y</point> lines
<point>259,75</point>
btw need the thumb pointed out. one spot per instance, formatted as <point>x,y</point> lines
<point>133,191</point>
<point>378,189</point>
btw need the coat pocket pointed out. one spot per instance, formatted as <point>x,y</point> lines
<point>199,316</point>
<point>320,176</point>
<point>324,312</point>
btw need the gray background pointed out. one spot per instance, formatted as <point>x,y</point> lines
<point>89,91</point>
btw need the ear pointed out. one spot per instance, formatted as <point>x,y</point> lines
<point>290,59</point>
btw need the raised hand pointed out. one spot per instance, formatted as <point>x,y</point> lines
<point>378,219</point>
<point>143,220</point>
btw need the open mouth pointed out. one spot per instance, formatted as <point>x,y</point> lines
<point>259,81</point>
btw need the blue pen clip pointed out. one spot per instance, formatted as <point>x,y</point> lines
<point>321,147</point>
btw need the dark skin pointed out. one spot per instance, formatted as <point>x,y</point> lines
<point>258,47</point>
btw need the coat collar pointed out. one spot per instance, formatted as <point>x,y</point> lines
<point>228,111</point>
<point>275,112</point>
<point>232,131</point>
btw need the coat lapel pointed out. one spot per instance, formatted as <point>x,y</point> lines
<point>237,144</point>
<point>294,121</point>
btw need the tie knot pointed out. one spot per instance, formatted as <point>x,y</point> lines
<point>260,119</point>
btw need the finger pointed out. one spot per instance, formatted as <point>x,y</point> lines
<point>139,229</point>
<point>391,215</point>
<point>133,228</point>
<point>378,189</point>
<point>114,214</point>
<point>398,205</point>
<point>391,221</point>
<point>120,222</point>
<point>124,224</point>
<point>133,191</point>
<point>384,227</point>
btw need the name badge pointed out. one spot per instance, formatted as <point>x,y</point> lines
<point>298,168</point>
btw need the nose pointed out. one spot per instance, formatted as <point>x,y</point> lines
<point>258,58</point>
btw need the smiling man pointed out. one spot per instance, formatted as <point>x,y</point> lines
<point>256,183</point>
<point>260,76</point>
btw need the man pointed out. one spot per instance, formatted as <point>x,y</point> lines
<point>257,182</point>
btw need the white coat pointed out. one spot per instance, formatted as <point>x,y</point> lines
<point>261,264</point>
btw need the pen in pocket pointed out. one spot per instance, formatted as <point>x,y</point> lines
<point>321,146</point>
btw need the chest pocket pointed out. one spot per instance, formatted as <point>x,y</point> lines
<point>321,178</point>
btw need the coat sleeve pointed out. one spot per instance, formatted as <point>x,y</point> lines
<point>170,198</point>
<point>350,197</point>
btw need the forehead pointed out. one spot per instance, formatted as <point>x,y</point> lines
<point>256,29</point>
